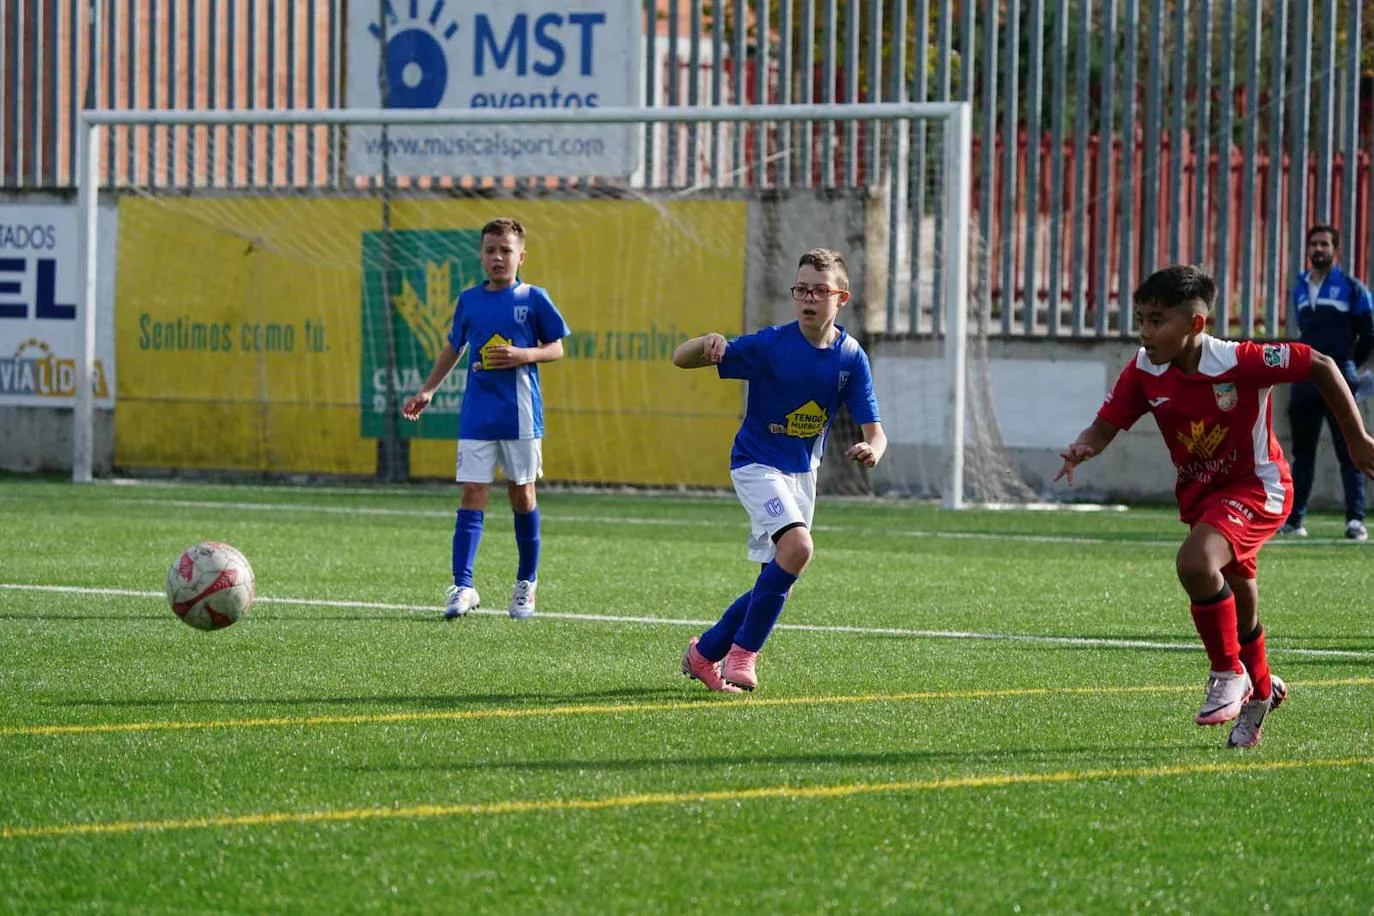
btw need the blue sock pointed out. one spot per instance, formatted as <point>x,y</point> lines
<point>527,542</point>
<point>715,642</point>
<point>770,591</point>
<point>467,534</point>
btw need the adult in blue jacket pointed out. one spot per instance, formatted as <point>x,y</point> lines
<point>1336,317</point>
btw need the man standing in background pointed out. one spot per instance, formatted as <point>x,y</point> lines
<point>1334,317</point>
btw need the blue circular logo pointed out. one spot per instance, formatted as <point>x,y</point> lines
<point>416,70</point>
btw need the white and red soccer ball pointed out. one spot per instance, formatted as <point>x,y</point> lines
<point>210,586</point>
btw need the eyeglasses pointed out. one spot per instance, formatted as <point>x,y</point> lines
<point>813,293</point>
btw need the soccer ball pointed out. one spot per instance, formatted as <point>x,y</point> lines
<point>210,586</point>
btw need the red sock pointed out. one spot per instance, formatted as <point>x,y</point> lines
<point>1216,624</point>
<point>1256,662</point>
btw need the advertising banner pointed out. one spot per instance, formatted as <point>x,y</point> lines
<point>515,55</point>
<point>273,354</point>
<point>41,284</point>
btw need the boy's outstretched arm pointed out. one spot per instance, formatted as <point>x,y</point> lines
<point>1335,391</point>
<point>699,352</point>
<point>443,365</point>
<point>1089,444</point>
<point>870,451</point>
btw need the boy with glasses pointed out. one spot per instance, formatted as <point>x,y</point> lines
<point>799,374</point>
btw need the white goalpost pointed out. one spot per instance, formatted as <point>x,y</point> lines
<point>274,296</point>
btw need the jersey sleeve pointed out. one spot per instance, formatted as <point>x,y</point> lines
<point>1269,364</point>
<point>744,356</point>
<point>1126,401</point>
<point>457,330</point>
<point>858,392</point>
<point>548,321</point>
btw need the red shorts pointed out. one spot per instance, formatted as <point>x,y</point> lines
<point>1243,523</point>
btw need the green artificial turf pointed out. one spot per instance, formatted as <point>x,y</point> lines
<point>984,712</point>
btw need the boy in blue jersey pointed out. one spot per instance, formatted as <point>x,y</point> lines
<point>509,327</point>
<point>799,374</point>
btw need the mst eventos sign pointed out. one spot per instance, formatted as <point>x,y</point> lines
<point>513,55</point>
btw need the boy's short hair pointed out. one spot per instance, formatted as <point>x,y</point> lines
<point>1177,286</point>
<point>503,225</point>
<point>826,259</point>
<point>1330,230</point>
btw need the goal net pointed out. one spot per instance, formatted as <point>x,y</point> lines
<point>284,280</point>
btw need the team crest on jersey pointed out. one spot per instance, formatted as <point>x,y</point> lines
<point>807,421</point>
<point>521,313</point>
<point>844,377</point>
<point>1225,393</point>
<point>1202,441</point>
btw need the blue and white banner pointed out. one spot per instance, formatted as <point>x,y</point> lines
<point>41,284</point>
<point>514,55</point>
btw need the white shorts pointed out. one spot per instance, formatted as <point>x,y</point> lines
<point>522,460</point>
<point>774,500</point>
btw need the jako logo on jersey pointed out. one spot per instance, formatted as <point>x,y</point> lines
<point>1225,393</point>
<point>773,507</point>
<point>807,421</point>
<point>1201,441</point>
<point>1155,402</point>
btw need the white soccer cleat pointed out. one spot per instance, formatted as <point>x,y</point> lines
<point>1227,692</point>
<point>1293,531</point>
<point>1250,722</point>
<point>522,599</point>
<point>461,599</point>
<point>1356,531</point>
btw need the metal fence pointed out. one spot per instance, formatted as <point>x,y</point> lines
<point>1113,135</point>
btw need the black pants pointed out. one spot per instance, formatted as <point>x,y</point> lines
<point>1306,411</point>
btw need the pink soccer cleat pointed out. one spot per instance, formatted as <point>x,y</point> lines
<point>1250,722</point>
<point>738,668</point>
<point>696,665</point>
<point>1227,692</point>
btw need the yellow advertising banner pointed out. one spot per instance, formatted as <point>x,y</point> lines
<point>254,333</point>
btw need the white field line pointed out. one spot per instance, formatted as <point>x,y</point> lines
<point>1086,641</point>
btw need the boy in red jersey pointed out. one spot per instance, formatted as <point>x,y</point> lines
<point>1210,399</point>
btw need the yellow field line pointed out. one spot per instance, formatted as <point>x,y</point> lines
<point>711,704</point>
<point>671,798</point>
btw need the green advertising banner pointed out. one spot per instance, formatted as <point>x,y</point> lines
<point>429,267</point>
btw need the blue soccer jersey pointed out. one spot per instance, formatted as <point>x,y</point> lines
<point>794,391</point>
<point>503,403</point>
